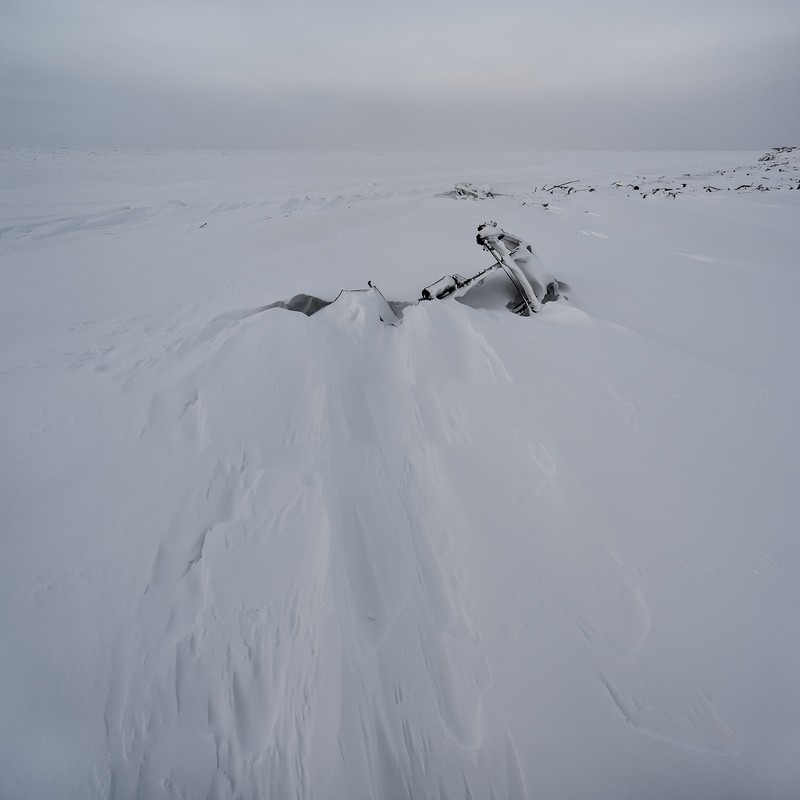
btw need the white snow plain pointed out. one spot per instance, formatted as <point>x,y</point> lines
<point>254,554</point>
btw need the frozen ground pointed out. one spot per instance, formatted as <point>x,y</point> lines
<point>254,554</point>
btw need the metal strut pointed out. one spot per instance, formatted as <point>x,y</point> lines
<point>490,237</point>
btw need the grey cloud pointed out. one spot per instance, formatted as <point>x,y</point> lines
<point>357,74</point>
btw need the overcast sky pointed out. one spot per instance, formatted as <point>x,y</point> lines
<point>435,74</point>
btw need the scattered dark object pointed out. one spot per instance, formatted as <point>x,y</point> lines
<point>468,191</point>
<point>304,303</point>
<point>777,151</point>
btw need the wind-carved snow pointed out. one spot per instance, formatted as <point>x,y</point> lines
<point>694,723</point>
<point>328,516</point>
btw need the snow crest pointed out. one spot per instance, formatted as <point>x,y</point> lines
<point>334,517</point>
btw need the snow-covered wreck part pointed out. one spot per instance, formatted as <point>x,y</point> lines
<point>521,284</point>
<point>517,258</point>
<point>525,284</point>
<point>773,154</point>
<point>468,191</point>
<point>369,301</point>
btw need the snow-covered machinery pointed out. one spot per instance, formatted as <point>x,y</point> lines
<point>528,284</point>
<point>516,281</point>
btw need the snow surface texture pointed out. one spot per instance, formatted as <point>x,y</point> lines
<point>249,553</point>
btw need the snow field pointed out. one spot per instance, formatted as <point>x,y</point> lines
<point>253,554</point>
